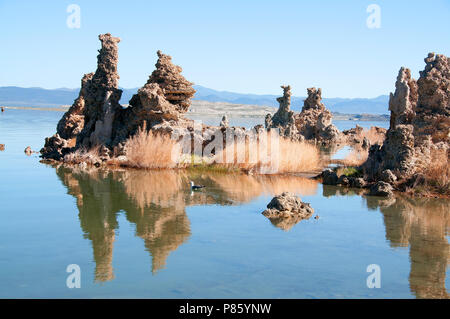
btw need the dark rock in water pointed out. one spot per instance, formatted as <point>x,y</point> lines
<point>388,177</point>
<point>55,147</point>
<point>381,188</point>
<point>329,177</point>
<point>343,180</point>
<point>288,205</point>
<point>28,150</point>
<point>357,182</point>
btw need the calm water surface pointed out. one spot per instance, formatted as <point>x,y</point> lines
<point>144,234</point>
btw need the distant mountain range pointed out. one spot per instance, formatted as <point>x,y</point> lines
<point>17,96</point>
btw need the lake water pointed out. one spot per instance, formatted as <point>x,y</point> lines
<point>143,234</point>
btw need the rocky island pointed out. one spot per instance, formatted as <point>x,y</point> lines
<point>98,130</point>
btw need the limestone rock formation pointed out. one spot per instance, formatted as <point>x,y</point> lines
<point>315,120</point>
<point>89,121</point>
<point>283,119</point>
<point>313,123</point>
<point>329,177</point>
<point>403,102</point>
<point>287,205</point>
<point>177,90</point>
<point>381,188</point>
<point>96,119</point>
<point>433,106</point>
<point>419,123</point>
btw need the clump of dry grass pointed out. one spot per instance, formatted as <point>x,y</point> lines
<point>82,155</point>
<point>356,157</point>
<point>147,149</point>
<point>298,157</point>
<point>287,157</point>
<point>437,172</point>
<point>374,136</point>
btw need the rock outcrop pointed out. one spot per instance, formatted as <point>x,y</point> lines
<point>283,119</point>
<point>96,119</point>
<point>419,123</point>
<point>403,102</point>
<point>287,205</point>
<point>177,90</point>
<point>315,121</point>
<point>381,188</point>
<point>89,121</point>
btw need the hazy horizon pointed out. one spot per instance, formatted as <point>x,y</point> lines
<point>222,91</point>
<point>249,47</point>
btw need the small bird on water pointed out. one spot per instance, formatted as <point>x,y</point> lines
<point>196,187</point>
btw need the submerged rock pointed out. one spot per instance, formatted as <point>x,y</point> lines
<point>329,177</point>
<point>288,205</point>
<point>381,188</point>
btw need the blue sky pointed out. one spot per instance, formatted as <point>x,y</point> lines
<point>240,46</point>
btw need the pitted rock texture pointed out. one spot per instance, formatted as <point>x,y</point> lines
<point>177,90</point>
<point>403,102</point>
<point>433,106</point>
<point>283,119</point>
<point>419,123</point>
<point>288,205</point>
<point>89,121</point>
<point>315,121</point>
<point>97,119</point>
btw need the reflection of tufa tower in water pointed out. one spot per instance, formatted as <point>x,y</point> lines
<point>157,212</point>
<point>155,202</point>
<point>423,226</point>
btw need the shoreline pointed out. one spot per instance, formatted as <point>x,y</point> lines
<point>230,113</point>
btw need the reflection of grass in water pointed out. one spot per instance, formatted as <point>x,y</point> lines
<point>153,187</point>
<point>167,188</point>
<point>244,188</point>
